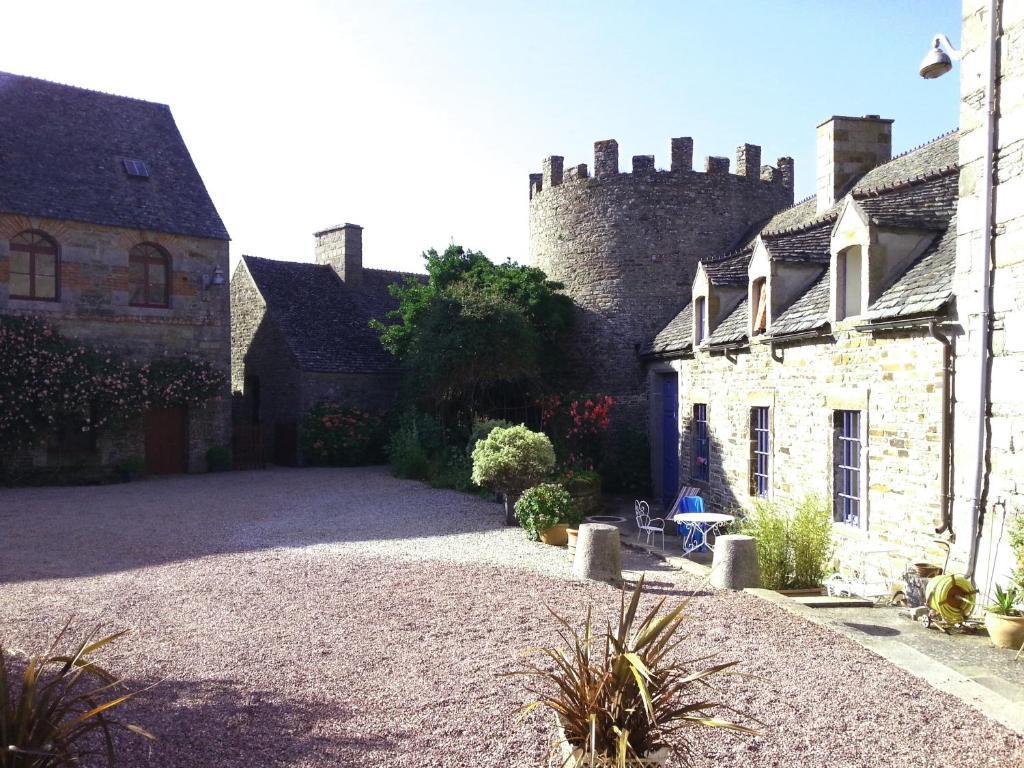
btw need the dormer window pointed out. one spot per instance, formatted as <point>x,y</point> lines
<point>700,320</point>
<point>849,290</point>
<point>759,306</point>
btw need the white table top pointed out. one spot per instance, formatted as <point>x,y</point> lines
<point>702,517</point>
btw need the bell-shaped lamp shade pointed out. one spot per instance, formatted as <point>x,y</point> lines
<point>936,63</point>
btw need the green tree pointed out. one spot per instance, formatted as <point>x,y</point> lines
<point>475,329</point>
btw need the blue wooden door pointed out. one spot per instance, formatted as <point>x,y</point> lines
<point>669,437</point>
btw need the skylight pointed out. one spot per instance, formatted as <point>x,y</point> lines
<point>136,168</point>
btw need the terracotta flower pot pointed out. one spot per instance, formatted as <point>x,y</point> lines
<point>1005,631</point>
<point>572,533</point>
<point>556,535</point>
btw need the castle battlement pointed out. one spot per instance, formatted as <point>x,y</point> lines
<point>606,164</point>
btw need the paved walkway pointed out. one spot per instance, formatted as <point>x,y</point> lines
<point>342,617</point>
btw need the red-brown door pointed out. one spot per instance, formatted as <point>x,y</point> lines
<point>166,432</point>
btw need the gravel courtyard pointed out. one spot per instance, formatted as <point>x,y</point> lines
<point>326,617</point>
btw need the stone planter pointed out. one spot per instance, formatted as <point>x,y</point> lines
<point>1005,631</point>
<point>556,535</point>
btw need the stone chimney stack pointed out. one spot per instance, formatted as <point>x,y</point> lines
<point>849,147</point>
<point>341,247</point>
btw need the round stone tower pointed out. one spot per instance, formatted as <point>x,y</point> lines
<point>626,246</point>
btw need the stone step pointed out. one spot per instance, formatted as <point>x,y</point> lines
<point>824,601</point>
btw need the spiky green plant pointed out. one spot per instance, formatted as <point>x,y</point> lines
<point>1005,602</point>
<point>60,713</point>
<point>621,704</point>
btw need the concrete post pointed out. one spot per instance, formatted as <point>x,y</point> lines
<point>734,565</point>
<point>598,556</point>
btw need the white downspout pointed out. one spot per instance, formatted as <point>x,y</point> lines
<point>978,465</point>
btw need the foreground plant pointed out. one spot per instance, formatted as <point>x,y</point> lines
<point>59,713</point>
<point>625,704</point>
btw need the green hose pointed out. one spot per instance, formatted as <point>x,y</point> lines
<point>950,596</point>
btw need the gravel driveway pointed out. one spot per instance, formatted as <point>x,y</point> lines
<point>324,617</point>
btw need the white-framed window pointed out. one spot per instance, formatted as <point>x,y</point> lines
<point>849,289</point>
<point>760,451</point>
<point>849,468</point>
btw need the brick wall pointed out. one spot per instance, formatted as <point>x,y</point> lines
<point>626,246</point>
<point>895,379</point>
<point>1005,497</point>
<point>94,307</point>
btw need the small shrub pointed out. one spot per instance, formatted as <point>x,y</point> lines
<point>544,506</point>
<point>481,429</point>
<point>793,548</point>
<point>54,705</point>
<point>337,436</point>
<point>510,460</point>
<point>218,459</point>
<point>132,468</point>
<point>414,444</point>
<point>1017,545</point>
<point>452,469</point>
<point>811,537</point>
<point>622,695</point>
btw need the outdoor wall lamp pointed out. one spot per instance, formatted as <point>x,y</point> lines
<point>937,61</point>
<point>217,278</point>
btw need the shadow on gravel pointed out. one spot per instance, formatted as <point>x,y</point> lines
<point>221,724</point>
<point>53,533</point>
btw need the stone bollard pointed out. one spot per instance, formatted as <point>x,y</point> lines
<point>598,556</point>
<point>734,565</point>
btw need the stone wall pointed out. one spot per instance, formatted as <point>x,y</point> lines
<point>894,379</point>
<point>1005,439</point>
<point>94,307</point>
<point>626,245</point>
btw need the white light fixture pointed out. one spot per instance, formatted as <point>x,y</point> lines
<point>939,60</point>
<point>217,278</point>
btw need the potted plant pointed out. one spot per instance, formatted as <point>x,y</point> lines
<point>622,698</point>
<point>1004,622</point>
<point>546,511</point>
<point>510,460</point>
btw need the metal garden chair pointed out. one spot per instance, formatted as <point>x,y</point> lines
<point>646,525</point>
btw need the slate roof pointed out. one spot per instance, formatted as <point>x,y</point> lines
<point>808,313</point>
<point>61,156</point>
<point>917,189</point>
<point>923,289</point>
<point>324,321</point>
<point>730,270</point>
<point>677,336</point>
<point>808,245</point>
<point>733,328</point>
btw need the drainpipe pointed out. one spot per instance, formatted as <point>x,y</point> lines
<point>980,464</point>
<point>945,499</point>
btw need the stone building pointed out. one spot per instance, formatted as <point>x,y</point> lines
<point>989,285</point>
<point>816,356</point>
<point>625,244</point>
<point>108,233</point>
<point>300,336</point>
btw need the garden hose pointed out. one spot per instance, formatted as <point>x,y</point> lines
<point>950,596</point>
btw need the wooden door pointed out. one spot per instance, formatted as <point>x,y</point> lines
<point>166,431</point>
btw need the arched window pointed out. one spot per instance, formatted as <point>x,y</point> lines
<point>149,276</point>
<point>848,283</point>
<point>34,267</point>
<point>759,307</point>
<point>700,320</point>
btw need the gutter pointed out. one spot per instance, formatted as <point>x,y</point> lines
<point>946,438</point>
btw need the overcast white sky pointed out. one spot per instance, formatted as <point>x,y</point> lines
<point>421,121</point>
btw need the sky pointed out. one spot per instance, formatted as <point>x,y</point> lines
<point>421,121</point>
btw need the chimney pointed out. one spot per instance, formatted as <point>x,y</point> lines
<point>849,147</point>
<point>341,247</point>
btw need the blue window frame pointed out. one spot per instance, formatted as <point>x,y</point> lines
<point>701,469</point>
<point>759,453</point>
<point>848,469</point>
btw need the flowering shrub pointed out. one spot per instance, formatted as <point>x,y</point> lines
<point>47,381</point>
<point>336,436</point>
<point>576,425</point>
<point>544,506</point>
<point>510,460</point>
